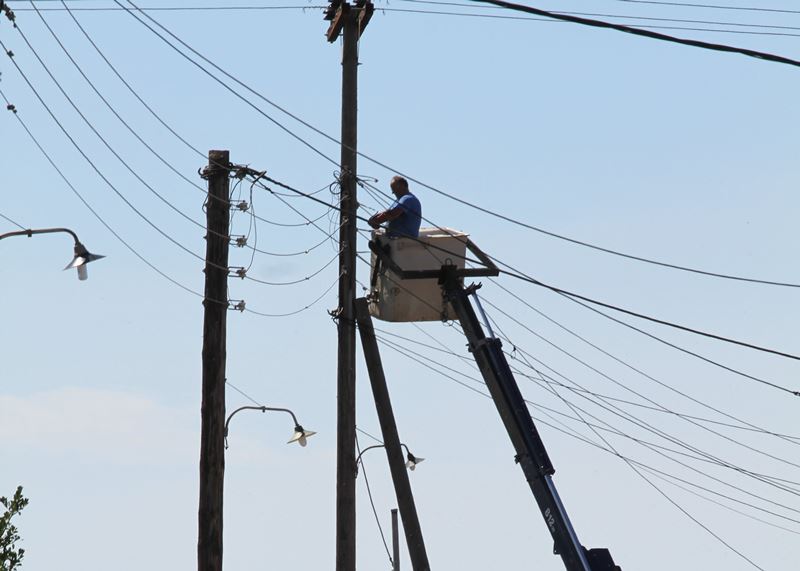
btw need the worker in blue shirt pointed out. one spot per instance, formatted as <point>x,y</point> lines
<point>404,215</point>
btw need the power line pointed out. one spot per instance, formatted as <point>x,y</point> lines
<point>222,83</point>
<point>706,456</point>
<point>637,27</point>
<point>646,33</point>
<point>372,503</point>
<point>108,146</point>
<point>114,232</point>
<point>127,126</point>
<point>89,207</point>
<point>583,243</point>
<point>513,273</point>
<point>711,6</point>
<point>20,226</point>
<point>297,281</point>
<point>576,297</point>
<point>673,502</point>
<point>296,311</point>
<point>182,139</point>
<point>414,356</point>
<point>620,384</point>
<point>174,8</point>
<point>791,439</point>
<point>763,478</point>
<point>381,164</point>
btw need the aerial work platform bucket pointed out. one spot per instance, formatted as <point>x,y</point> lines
<point>405,273</point>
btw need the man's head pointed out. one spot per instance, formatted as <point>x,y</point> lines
<point>399,186</point>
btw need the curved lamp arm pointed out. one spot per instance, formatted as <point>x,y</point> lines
<point>29,232</point>
<point>411,460</point>
<point>300,434</point>
<point>82,255</point>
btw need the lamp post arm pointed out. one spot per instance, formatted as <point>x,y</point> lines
<point>29,232</point>
<point>262,409</point>
<point>294,418</point>
<point>358,459</point>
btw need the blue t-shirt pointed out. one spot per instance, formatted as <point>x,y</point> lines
<point>407,224</point>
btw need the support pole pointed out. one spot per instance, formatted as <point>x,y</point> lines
<point>391,440</point>
<point>395,542</point>
<point>212,412</point>
<point>346,374</point>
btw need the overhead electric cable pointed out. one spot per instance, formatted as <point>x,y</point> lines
<point>175,133</point>
<point>711,6</point>
<point>20,226</point>
<point>617,411</point>
<point>128,85</point>
<point>640,32</point>
<point>294,282</point>
<point>580,242</point>
<point>763,478</point>
<point>642,26</point>
<point>215,78</point>
<point>622,385</point>
<point>296,311</point>
<point>668,498</point>
<point>415,357</point>
<point>471,4</point>
<point>108,146</point>
<point>89,207</point>
<point>128,127</point>
<point>792,439</point>
<point>177,8</point>
<point>372,503</point>
<point>683,349</point>
<point>575,298</point>
<point>434,365</point>
<point>513,273</point>
<point>725,506</point>
<point>384,165</point>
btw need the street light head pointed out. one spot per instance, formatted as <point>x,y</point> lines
<point>412,461</point>
<point>301,435</point>
<point>82,257</point>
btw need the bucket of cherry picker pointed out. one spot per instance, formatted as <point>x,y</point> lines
<point>396,298</point>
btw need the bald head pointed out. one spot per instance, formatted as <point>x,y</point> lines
<point>399,186</point>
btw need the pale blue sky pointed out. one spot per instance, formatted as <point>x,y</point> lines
<point>658,150</point>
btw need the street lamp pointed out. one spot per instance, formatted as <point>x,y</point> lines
<point>300,435</point>
<point>411,460</point>
<point>82,255</point>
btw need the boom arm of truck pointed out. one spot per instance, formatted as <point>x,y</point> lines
<point>531,454</point>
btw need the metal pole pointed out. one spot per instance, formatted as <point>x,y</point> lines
<point>212,412</point>
<point>346,374</point>
<point>391,440</point>
<point>395,542</point>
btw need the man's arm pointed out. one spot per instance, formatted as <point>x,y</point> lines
<point>385,216</point>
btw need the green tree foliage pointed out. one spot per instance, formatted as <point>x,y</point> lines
<point>11,555</point>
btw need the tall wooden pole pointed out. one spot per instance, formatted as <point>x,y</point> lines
<point>212,412</point>
<point>349,22</point>
<point>346,375</point>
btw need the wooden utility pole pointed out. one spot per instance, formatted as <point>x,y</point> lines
<point>391,439</point>
<point>349,21</point>
<point>212,412</point>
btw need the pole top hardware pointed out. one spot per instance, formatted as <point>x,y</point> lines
<point>337,11</point>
